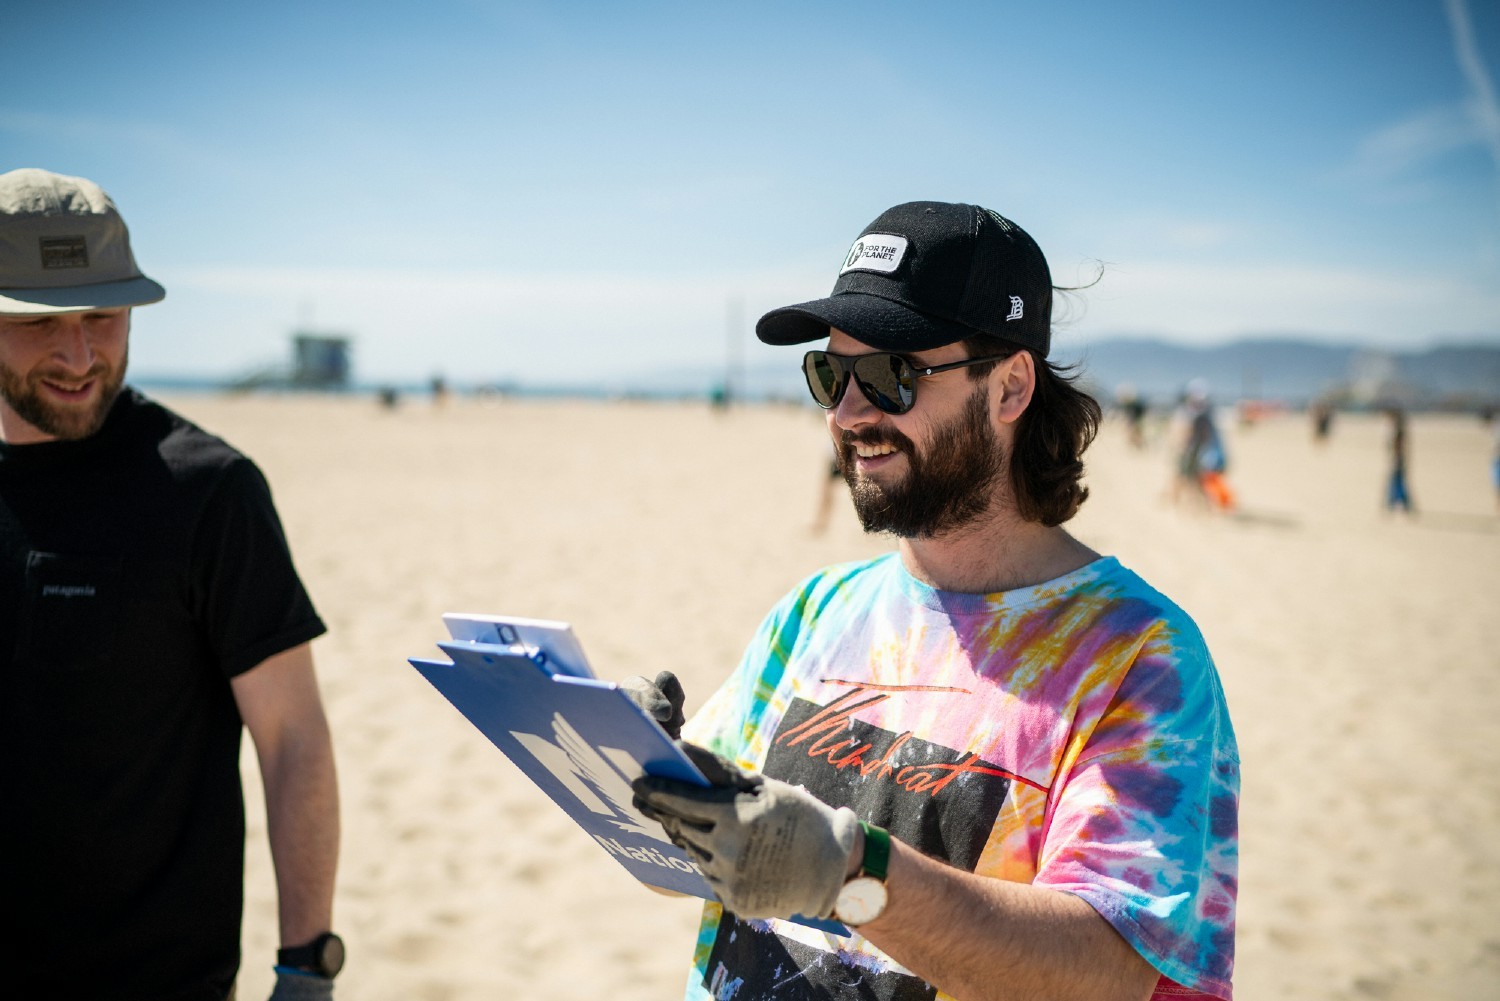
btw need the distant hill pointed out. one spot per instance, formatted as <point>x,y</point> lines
<point>1296,371</point>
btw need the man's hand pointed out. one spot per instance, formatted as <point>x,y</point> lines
<point>768,848</point>
<point>301,987</point>
<point>662,700</point>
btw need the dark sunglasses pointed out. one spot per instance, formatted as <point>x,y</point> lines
<point>889,381</point>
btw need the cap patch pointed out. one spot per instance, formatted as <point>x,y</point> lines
<point>64,252</point>
<point>1015,309</point>
<point>875,252</point>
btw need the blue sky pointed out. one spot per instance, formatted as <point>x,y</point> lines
<point>585,191</point>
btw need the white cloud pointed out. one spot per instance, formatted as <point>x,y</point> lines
<point>1397,150</point>
<point>1484,106</point>
<point>1393,157</point>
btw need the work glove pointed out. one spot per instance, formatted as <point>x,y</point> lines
<point>768,848</point>
<point>662,700</point>
<point>301,987</point>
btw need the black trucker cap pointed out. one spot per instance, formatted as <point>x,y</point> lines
<point>925,274</point>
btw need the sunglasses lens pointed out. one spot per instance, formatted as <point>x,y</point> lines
<point>825,378</point>
<point>888,381</point>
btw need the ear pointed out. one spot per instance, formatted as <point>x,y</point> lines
<point>1011,386</point>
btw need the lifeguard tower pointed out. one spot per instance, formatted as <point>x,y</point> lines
<point>319,361</point>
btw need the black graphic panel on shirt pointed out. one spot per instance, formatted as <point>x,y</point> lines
<point>749,963</point>
<point>940,801</point>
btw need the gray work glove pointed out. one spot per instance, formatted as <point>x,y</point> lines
<point>768,848</point>
<point>301,987</point>
<point>662,700</point>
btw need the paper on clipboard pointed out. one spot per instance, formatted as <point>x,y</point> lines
<point>548,642</point>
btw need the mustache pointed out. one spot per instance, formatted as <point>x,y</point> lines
<point>875,436</point>
<point>98,370</point>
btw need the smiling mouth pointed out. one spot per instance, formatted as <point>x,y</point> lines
<point>872,451</point>
<point>69,389</point>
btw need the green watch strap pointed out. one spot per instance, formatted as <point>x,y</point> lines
<point>877,851</point>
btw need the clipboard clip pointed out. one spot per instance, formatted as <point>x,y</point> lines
<point>508,636</point>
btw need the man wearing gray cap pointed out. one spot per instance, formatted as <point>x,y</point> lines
<point>999,760</point>
<point>156,613</point>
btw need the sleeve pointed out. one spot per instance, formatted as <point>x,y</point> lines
<point>248,598</point>
<point>1145,824</point>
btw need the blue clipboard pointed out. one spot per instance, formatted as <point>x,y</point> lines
<point>527,686</point>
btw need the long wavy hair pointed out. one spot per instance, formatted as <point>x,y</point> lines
<point>1046,463</point>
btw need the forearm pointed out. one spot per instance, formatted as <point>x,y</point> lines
<point>978,939</point>
<point>302,817</point>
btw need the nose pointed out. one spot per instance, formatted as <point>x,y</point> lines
<point>854,409</point>
<point>72,346</point>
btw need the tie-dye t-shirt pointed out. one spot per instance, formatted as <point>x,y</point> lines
<point>1073,735</point>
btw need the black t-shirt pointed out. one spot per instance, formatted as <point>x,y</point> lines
<point>140,570</point>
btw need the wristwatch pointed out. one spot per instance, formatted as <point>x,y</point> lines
<point>324,956</point>
<point>863,898</point>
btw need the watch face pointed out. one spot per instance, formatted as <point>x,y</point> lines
<point>331,956</point>
<point>860,901</point>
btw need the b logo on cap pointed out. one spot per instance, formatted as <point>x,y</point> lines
<point>1015,308</point>
<point>875,252</point>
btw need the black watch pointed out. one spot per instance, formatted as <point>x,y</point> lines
<point>324,956</point>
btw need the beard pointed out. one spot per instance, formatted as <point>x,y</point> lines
<point>950,483</point>
<point>24,395</point>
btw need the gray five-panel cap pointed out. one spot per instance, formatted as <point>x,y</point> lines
<point>64,248</point>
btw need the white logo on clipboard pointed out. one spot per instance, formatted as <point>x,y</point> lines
<point>599,777</point>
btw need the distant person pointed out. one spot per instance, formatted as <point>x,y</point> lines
<point>152,612</point>
<point>1209,458</point>
<point>1397,493</point>
<point>439,387</point>
<point>1003,761</point>
<point>1134,410</point>
<point>1495,465</point>
<point>1321,413</point>
<point>1492,418</point>
<point>1200,462</point>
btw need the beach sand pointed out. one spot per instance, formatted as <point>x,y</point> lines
<point>1360,654</point>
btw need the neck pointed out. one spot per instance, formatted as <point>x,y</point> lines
<point>998,553</point>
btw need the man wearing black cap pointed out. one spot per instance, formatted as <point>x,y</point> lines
<point>1000,761</point>
<point>151,611</point>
